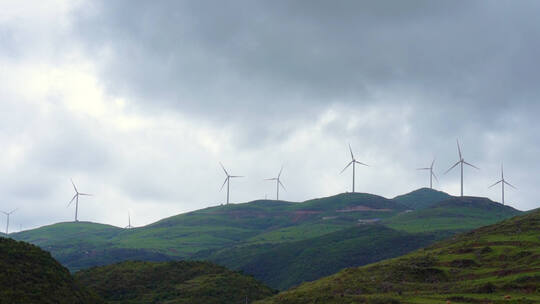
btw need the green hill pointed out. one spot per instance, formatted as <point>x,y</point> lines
<point>79,245</point>
<point>454,214</point>
<point>286,264</point>
<point>493,264</point>
<point>30,275</point>
<point>172,283</point>
<point>184,235</point>
<point>422,198</point>
<point>294,235</point>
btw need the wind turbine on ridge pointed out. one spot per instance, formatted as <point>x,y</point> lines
<point>353,162</point>
<point>227,181</point>
<point>461,162</point>
<point>8,214</point>
<point>129,222</point>
<point>431,174</point>
<point>278,183</point>
<point>76,198</point>
<point>502,181</point>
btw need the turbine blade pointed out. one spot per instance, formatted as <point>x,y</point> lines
<point>350,149</point>
<point>226,178</point>
<point>281,184</point>
<point>509,184</point>
<point>361,163</point>
<point>459,149</point>
<point>423,168</point>
<point>281,170</point>
<point>466,163</point>
<point>432,173</point>
<point>86,194</point>
<point>224,169</point>
<point>71,201</point>
<point>270,179</point>
<point>74,186</point>
<point>452,167</point>
<point>432,163</point>
<point>346,167</point>
<point>495,183</point>
<point>236,176</point>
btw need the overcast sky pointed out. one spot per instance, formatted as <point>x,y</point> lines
<point>139,101</point>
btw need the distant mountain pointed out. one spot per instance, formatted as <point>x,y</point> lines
<point>493,264</point>
<point>286,264</point>
<point>172,283</point>
<point>455,214</point>
<point>422,198</point>
<point>30,275</point>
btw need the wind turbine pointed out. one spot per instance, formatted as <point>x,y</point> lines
<point>431,174</point>
<point>278,183</point>
<point>353,162</point>
<point>76,198</point>
<point>8,214</point>
<point>460,162</point>
<point>227,181</point>
<point>502,181</point>
<point>129,222</point>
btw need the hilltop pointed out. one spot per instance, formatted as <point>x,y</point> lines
<point>171,282</point>
<point>489,265</point>
<point>421,198</point>
<point>455,214</point>
<point>31,275</point>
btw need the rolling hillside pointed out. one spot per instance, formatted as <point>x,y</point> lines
<point>30,275</point>
<point>172,283</point>
<point>295,235</point>
<point>493,264</point>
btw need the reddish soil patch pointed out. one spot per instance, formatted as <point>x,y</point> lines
<point>302,214</point>
<point>362,208</point>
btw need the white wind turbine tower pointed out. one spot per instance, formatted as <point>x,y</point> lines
<point>129,222</point>
<point>461,162</point>
<point>76,198</point>
<point>278,183</point>
<point>227,181</point>
<point>431,174</point>
<point>353,162</point>
<point>8,214</point>
<point>502,181</point>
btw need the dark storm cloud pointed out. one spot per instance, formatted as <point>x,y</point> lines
<point>260,56</point>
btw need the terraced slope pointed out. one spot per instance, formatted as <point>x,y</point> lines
<point>493,264</point>
<point>171,283</point>
<point>30,275</point>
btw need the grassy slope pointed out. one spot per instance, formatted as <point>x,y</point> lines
<point>422,198</point>
<point>456,214</point>
<point>284,265</point>
<point>30,275</point>
<point>482,266</point>
<point>172,283</point>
